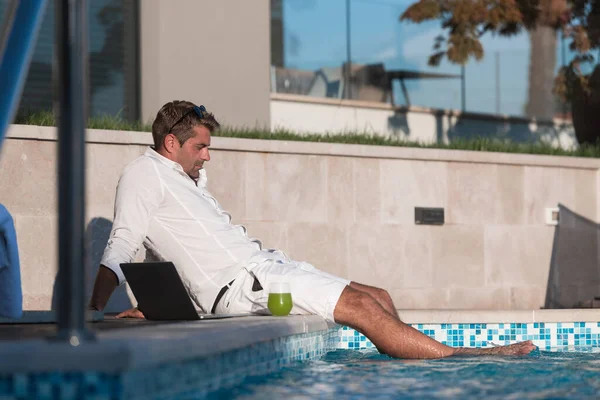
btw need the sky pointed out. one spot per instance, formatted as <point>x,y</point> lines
<point>315,36</point>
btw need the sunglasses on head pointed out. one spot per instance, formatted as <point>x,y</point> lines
<point>198,110</point>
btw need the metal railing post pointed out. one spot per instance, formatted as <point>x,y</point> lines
<point>72,55</point>
<point>463,88</point>
<point>16,47</point>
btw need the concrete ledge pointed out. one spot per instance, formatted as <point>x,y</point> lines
<point>105,136</point>
<point>404,153</point>
<point>142,347</point>
<point>120,350</point>
<point>30,132</point>
<point>498,316</point>
<point>47,317</point>
<point>418,109</point>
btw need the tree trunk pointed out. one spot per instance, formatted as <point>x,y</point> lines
<point>541,102</point>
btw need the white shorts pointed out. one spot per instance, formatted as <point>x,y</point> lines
<point>313,291</point>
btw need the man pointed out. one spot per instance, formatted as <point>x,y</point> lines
<point>163,203</point>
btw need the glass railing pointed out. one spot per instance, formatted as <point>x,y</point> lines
<point>359,49</point>
<point>308,47</point>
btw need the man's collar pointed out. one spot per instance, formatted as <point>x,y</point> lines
<point>150,152</point>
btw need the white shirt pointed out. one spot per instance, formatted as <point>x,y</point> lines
<point>159,205</point>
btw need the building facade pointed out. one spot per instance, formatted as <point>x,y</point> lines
<point>233,54</point>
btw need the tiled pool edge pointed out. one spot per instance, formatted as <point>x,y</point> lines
<point>304,339</point>
<point>171,380</point>
<point>225,370</point>
<point>545,335</point>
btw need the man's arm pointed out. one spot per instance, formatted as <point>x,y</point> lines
<point>138,196</point>
<point>106,282</point>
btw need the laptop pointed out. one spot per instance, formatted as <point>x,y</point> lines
<point>161,295</point>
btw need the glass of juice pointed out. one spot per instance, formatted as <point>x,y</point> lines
<point>280,299</point>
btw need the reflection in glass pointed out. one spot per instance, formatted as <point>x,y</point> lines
<point>113,60</point>
<point>389,59</point>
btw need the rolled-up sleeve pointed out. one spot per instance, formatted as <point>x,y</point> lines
<point>139,194</point>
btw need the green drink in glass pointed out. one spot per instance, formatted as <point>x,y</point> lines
<point>280,299</point>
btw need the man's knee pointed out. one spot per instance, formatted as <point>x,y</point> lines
<point>379,294</point>
<point>361,300</point>
<point>351,303</point>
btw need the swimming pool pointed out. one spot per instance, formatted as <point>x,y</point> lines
<point>212,358</point>
<point>566,364</point>
<point>367,374</point>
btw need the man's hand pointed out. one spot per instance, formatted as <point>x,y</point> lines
<point>131,313</point>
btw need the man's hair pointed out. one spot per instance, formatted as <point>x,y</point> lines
<point>170,113</point>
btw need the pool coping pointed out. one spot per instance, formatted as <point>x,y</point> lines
<point>498,316</point>
<point>129,349</point>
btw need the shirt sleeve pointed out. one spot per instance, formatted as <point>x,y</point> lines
<point>139,194</point>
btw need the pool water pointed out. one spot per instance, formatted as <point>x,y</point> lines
<point>367,374</point>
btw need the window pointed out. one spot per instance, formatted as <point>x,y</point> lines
<point>113,61</point>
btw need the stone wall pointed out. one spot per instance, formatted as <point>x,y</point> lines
<point>348,209</point>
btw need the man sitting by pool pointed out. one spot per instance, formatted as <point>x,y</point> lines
<point>162,202</point>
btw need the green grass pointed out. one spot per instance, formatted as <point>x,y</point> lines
<point>475,144</point>
<point>47,118</point>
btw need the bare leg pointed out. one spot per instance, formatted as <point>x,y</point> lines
<point>380,295</point>
<point>362,312</point>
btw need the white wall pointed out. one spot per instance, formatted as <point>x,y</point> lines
<point>208,53</point>
<point>305,114</point>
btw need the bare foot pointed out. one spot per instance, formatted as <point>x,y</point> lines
<point>516,349</point>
